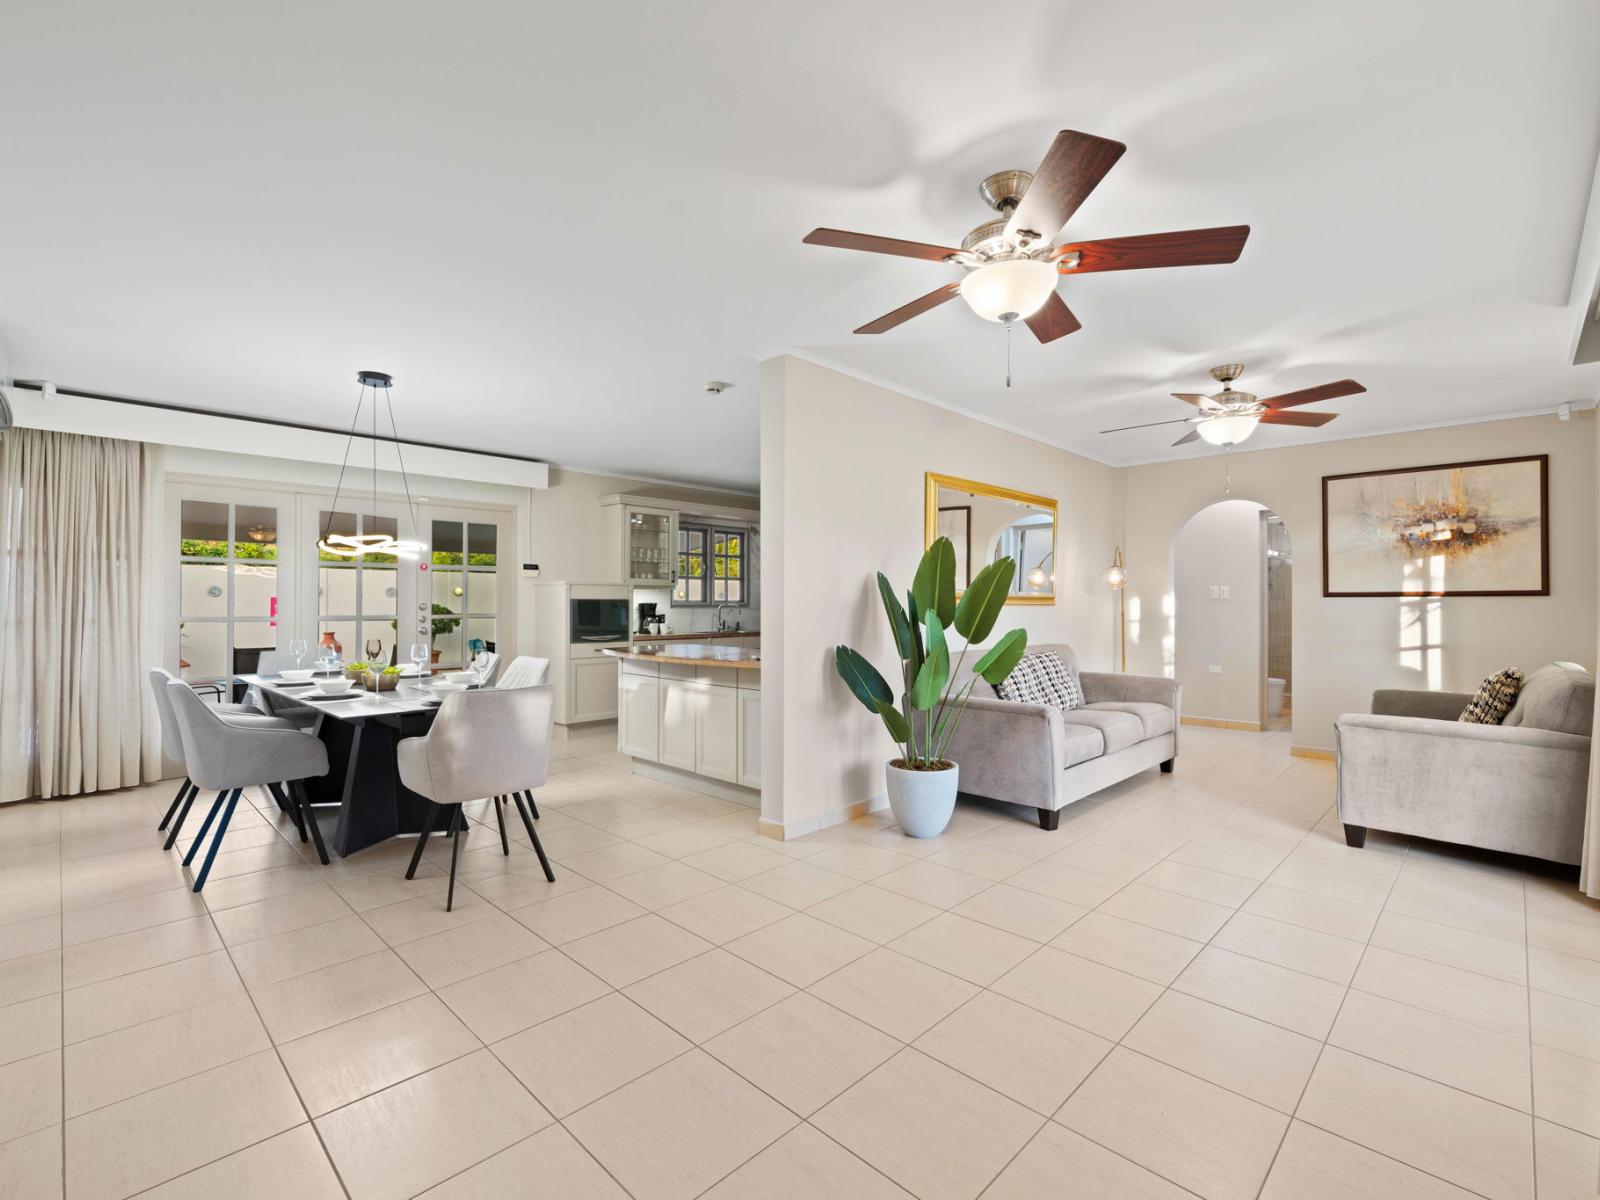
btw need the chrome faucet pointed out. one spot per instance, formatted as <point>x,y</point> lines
<point>722,624</point>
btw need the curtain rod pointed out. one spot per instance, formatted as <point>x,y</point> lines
<point>38,385</point>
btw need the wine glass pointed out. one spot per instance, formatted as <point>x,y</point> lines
<point>374,650</point>
<point>419,655</point>
<point>297,651</point>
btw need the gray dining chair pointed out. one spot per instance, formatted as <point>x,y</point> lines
<point>524,671</point>
<point>488,743</point>
<point>229,756</point>
<point>172,743</point>
<point>487,664</point>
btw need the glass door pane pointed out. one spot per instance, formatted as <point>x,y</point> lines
<point>650,551</point>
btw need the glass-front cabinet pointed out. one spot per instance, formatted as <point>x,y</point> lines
<point>646,543</point>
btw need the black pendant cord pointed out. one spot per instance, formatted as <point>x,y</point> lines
<point>411,505</point>
<point>350,440</point>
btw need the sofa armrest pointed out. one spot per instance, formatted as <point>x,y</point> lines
<point>1145,689</point>
<point>1010,751</point>
<point>1467,733</point>
<point>1436,706</point>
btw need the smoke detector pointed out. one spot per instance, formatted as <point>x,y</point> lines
<point>716,387</point>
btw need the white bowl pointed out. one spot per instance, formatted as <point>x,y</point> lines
<point>462,677</point>
<point>449,685</point>
<point>336,686</point>
<point>297,674</point>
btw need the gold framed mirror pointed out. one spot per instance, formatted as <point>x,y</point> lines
<point>986,521</point>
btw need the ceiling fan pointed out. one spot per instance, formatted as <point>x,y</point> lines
<point>1228,417</point>
<point>1012,263</point>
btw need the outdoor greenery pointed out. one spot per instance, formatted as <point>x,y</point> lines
<point>928,714</point>
<point>217,548</point>
<point>444,621</point>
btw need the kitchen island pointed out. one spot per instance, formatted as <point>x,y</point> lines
<point>690,713</point>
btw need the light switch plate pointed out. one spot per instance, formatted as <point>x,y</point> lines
<point>1215,669</point>
<point>1224,591</point>
<point>1216,592</point>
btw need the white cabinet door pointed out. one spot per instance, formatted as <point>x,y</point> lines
<point>638,716</point>
<point>649,545</point>
<point>750,739</point>
<point>717,735</point>
<point>680,702</point>
<point>594,690</point>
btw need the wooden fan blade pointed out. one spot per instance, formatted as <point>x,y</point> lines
<point>1311,420</point>
<point>1328,391</point>
<point>1054,320</point>
<point>873,244</point>
<point>1072,167</point>
<point>1193,398</point>
<point>915,309</point>
<point>1191,436</point>
<point>1149,425</point>
<point>1182,248</point>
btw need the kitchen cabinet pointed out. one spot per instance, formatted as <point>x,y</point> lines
<point>593,689</point>
<point>749,738</point>
<point>716,747</point>
<point>680,708</point>
<point>643,542</point>
<point>638,716</point>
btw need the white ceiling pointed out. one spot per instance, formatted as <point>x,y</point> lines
<point>553,223</point>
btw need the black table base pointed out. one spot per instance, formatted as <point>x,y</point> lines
<point>363,780</point>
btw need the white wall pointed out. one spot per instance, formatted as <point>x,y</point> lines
<point>1221,547</point>
<point>1344,649</point>
<point>842,484</point>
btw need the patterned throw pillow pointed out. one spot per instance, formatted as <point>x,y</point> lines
<point>1042,678</point>
<point>1494,698</point>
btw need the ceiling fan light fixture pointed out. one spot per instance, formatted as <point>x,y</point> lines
<point>1229,430</point>
<point>1009,290</point>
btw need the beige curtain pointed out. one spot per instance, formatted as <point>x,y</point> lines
<point>77,602</point>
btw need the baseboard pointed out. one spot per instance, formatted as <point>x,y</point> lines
<point>1312,752</point>
<point>699,783</point>
<point>1220,723</point>
<point>787,831</point>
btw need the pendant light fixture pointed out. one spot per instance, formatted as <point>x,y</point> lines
<point>354,545</point>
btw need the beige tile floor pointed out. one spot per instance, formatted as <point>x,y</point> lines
<point>1192,988</point>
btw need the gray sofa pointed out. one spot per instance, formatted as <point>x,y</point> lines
<point>1044,758</point>
<point>1410,767</point>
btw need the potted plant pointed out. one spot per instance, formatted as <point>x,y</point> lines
<point>444,622</point>
<point>356,672</point>
<point>922,784</point>
<point>385,680</point>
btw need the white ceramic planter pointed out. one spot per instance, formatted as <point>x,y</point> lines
<point>922,800</point>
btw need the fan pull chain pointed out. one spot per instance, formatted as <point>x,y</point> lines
<point>1009,324</point>
<point>1227,471</point>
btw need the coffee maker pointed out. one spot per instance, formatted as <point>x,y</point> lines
<point>648,616</point>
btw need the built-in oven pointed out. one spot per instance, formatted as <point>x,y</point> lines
<point>600,620</point>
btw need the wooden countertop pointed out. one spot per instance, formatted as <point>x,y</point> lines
<point>694,637</point>
<point>692,654</point>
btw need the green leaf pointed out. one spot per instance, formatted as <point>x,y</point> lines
<point>935,584</point>
<point>914,659</point>
<point>895,720</point>
<point>898,624</point>
<point>984,598</point>
<point>862,678</point>
<point>1002,658</point>
<point>935,673</point>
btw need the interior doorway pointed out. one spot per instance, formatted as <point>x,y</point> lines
<point>1232,627</point>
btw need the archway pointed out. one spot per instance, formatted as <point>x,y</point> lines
<point>1231,623</point>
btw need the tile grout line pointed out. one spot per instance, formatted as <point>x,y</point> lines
<point>1533,1077</point>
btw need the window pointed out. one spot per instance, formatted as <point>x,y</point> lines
<point>711,566</point>
<point>356,597</point>
<point>466,589</point>
<point>227,586</point>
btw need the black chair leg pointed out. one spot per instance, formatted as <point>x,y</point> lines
<point>211,854</point>
<point>455,851</point>
<point>532,807</point>
<point>500,815</point>
<point>538,847</point>
<point>216,807</point>
<point>305,817</point>
<point>183,790</point>
<point>422,839</point>
<point>287,804</point>
<point>177,825</point>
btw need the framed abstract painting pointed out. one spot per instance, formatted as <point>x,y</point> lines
<point>1456,529</point>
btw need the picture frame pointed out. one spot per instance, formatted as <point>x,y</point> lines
<point>1478,528</point>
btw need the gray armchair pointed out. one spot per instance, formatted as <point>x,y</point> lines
<point>1044,758</point>
<point>1520,787</point>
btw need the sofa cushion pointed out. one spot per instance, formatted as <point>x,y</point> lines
<point>1558,697</point>
<point>1082,742</point>
<point>1041,677</point>
<point>1119,729</point>
<point>1155,718</point>
<point>1492,702</point>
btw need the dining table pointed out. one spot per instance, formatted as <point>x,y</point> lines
<point>361,730</point>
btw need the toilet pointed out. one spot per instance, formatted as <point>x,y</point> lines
<point>1274,697</point>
